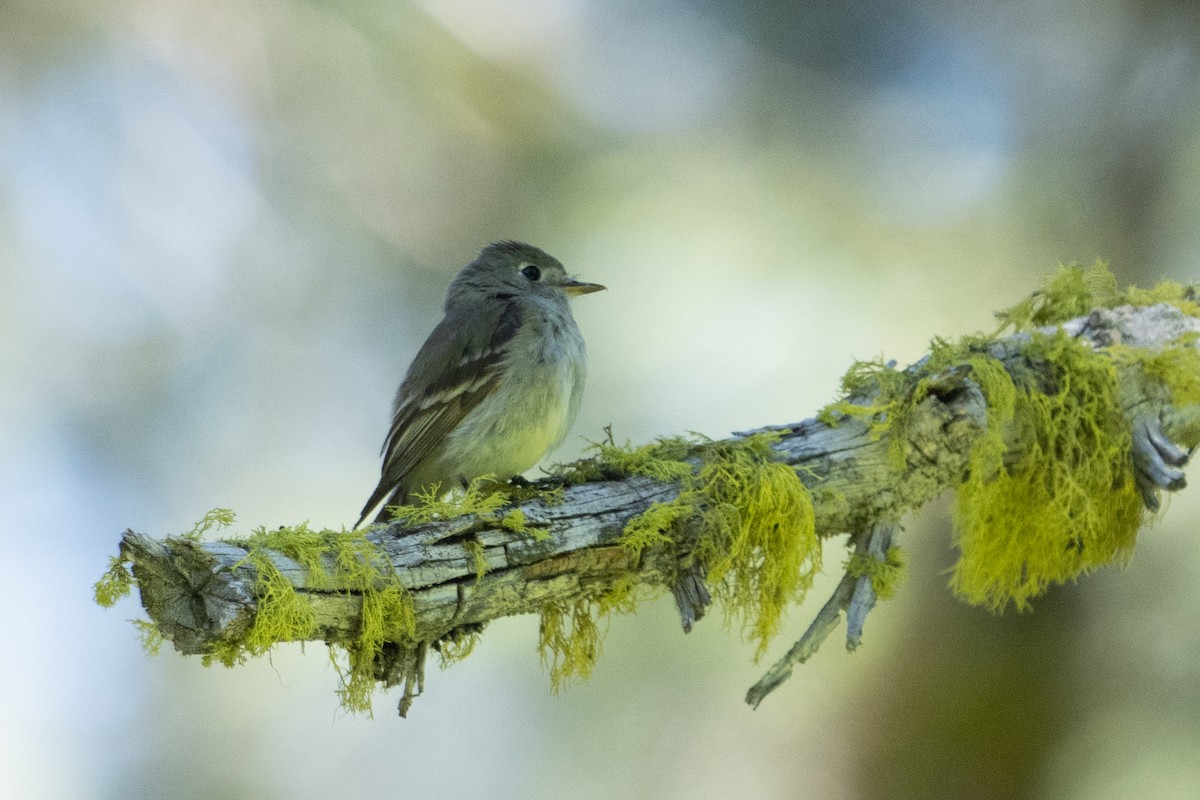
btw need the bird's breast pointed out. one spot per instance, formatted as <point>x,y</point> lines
<point>530,411</point>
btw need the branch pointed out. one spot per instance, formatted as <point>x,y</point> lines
<point>861,467</point>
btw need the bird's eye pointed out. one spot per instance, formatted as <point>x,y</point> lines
<point>531,272</point>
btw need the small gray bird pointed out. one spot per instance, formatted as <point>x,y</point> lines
<point>495,386</point>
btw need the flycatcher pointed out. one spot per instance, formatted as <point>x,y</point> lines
<point>496,385</point>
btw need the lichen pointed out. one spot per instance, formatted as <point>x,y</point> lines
<point>387,616</point>
<point>571,634</point>
<point>1061,498</point>
<point>484,498</point>
<point>869,390</point>
<point>116,582</point>
<point>1049,492</point>
<point>664,459</point>
<point>474,550</point>
<point>1171,376</point>
<point>1075,291</point>
<point>753,527</point>
<point>457,645</point>
<point>654,526</point>
<point>757,537</point>
<point>335,561</point>
<point>150,636</point>
<point>481,497</point>
<point>281,614</point>
<point>214,520</point>
<point>516,522</point>
<point>886,574</point>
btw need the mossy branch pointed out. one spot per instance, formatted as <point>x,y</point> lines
<point>1055,439</point>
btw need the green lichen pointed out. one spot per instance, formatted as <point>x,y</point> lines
<point>1175,368</point>
<point>333,561</point>
<point>1061,499</point>
<point>570,635</point>
<point>484,498</point>
<point>116,582</point>
<point>886,574</point>
<point>745,517</point>
<point>1170,376</point>
<point>757,537</point>
<point>457,645</point>
<point>1049,492</point>
<point>150,636</point>
<point>481,497</point>
<point>281,614</point>
<point>474,549</point>
<point>869,390</point>
<point>387,616</point>
<point>654,527</point>
<point>1074,291</point>
<point>550,491</point>
<point>1071,292</point>
<point>516,522</point>
<point>1182,297</point>
<point>214,520</point>
<point>664,459</point>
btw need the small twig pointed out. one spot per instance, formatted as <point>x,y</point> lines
<point>878,542</point>
<point>826,620</point>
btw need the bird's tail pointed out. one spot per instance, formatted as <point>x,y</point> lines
<point>381,491</point>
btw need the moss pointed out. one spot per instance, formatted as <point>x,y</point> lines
<point>1063,499</point>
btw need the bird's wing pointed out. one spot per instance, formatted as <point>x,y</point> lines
<point>453,372</point>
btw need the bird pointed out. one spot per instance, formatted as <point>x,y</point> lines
<point>497,384</point>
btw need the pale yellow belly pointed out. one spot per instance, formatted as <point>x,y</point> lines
<point>511,430</point>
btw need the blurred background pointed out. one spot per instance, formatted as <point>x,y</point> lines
<point>226,227</point>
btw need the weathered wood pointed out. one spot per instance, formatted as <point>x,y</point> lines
<point>200,592</point>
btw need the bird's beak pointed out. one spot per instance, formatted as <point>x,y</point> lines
<point>575,288</point>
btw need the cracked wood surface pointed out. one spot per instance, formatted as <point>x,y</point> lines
<point>198,592</point>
